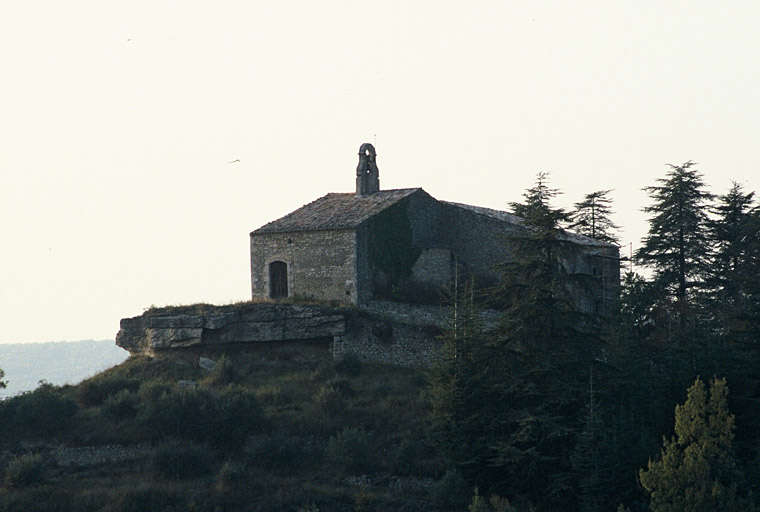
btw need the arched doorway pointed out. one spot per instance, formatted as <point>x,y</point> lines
<point>278,280</point>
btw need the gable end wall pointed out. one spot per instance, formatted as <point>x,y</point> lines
<point>321,264</point>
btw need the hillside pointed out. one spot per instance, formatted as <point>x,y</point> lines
<point>26,364</point>
<point>282,429</point>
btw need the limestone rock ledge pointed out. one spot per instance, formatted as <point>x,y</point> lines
<point>187,326</point>
<point>369,336</point>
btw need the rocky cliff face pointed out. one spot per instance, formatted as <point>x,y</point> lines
<point>182,327</point>
<point>369,336</point>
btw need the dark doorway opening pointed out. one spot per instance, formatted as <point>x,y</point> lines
<point>278,280</point>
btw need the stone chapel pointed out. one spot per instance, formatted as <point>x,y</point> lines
<point>402,244</point>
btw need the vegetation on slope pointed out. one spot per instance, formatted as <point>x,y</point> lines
<point>264,431</point>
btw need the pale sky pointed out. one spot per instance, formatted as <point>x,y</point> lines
<point>118,120</point>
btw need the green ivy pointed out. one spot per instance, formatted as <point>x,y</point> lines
<point>391,247</point>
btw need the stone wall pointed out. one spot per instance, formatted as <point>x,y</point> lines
<point>388,342</point>
<point>478,241</point>
<point>320,265</point>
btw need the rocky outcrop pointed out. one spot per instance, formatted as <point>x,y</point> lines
<point>182,327</point>
<point>367,335</point>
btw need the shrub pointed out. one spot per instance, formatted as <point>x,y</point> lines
<point>238,416</point>
<point>231,477</point>
<point>179,413</point>
<point>121,406</point>
<point>43,412</point>
<point>349,365</point>
<point>331,398</point>
<point>451,491</point>
<point>224,374</point>
<point>153,390</point>
<point>351,450</point>
<point>25,471</point>
<point>181,461</point>
<point>405,457</point>
<point>478,503</point>
<point>95,391</point>
<point>364,500</point>
<point>223,418</point>
<point>280,453</point>
<point>147,499</point>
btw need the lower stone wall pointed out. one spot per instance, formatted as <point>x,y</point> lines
<point>437,316</point>
<point>381,340</point>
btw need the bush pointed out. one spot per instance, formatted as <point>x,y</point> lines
<point>223,418</point>
<point>43,412</point>
<point>181,461</point>
<point>94,392</point>
<point>349,365</point>
<point>153,390</point>
<point>451,491</point>
<point>405,457</point>
<point>224,374</point>
<point>25,471</point>
<point>478,503</point>
<point>331,398</point>
<point>284,454</point>
<point>231,477</point>
<point>122,406</point>
<point>351,450</point>
<point>148,499</point>
<point>238,416</point>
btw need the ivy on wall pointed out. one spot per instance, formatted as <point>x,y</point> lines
<point>391,247</point>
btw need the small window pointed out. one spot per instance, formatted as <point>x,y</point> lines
<point>278,280</point>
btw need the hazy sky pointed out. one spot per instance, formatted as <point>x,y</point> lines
<point>118,120</point>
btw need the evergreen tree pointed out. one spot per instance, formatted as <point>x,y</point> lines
<point>592,458</point>
<point>507,403</point>
<point>697,471</point>
<point>541,352</point>
<point>591,217</point>
<point>677,245</point>
<point>460,390</point>
<point>734,271</point>
<point>638,308</point>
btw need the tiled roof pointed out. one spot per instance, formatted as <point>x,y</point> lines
<point>496,214</point>
<point>517,221</point>
<point>336,211</point>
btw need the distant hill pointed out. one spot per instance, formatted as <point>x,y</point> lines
<point>63,362</point>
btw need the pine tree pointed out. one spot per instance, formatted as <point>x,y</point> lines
<point>697,470</point>
<point>677,245</point>
<point>542,347</point>
<point>592,217</point>
<point>460,391</point>
<point>507,402</point>
<point>734,277</point>
<point>591,460</point>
